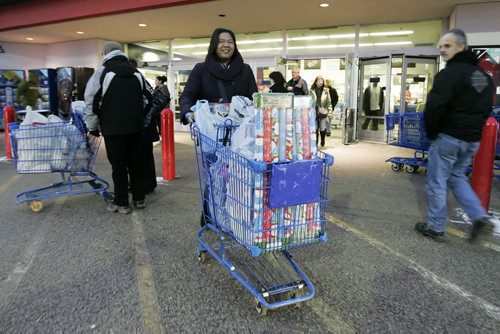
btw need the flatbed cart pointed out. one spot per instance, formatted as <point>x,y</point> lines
<point>253,218</point>
<point>407,130</point>
<point>59,147</point>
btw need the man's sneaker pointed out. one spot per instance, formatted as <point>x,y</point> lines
<point>139,204</point>
<point>112,207</point>
<point>481,228</point>
<point>424,230</point>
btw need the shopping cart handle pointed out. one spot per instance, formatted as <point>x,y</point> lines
<point>189,118</point>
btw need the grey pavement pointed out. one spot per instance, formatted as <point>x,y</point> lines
<point>76,268</point>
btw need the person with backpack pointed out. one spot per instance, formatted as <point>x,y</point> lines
<point>117,106</point>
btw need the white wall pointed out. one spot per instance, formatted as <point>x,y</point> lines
<point>21,56</point>
<point>85,53</point>
<point>480,22</point>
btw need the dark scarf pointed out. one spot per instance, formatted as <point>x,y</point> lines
<point>225,73</point>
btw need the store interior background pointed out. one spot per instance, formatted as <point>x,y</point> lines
<point>347,55</point>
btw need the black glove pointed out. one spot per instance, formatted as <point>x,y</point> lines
<point>95,133</point>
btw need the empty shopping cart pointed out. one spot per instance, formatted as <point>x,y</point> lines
<point>407,130</point>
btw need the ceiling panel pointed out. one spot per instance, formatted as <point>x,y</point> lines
<point>241,16</point>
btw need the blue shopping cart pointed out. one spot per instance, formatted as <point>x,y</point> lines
<point>257,212</point>
<point>407,130</point>
<point>59,147</point>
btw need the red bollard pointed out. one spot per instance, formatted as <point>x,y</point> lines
<point>9,116</point>
<point>482,166</point>
<point>167,144</point>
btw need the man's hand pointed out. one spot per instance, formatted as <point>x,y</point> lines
<point>95,133</point>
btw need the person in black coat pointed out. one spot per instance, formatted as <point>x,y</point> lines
<point>223,65</point>
<point>220,77</point>
<point>151,135</point>
<point>296,84</point>
<point>160,85</point>
<point>114,98</point>
<point>457,107</point>
<point>278,81</point>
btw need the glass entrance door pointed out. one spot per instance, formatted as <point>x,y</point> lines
<point>412,79</point>
<point>372,91</point>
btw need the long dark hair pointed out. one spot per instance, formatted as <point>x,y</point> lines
<point>277,77</point>
<point>315,85</point>
<point>214,42</point>
<point>162,78</point>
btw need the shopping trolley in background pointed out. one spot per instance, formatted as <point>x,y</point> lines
<point>258,212</point>
<point>407,130</point>
<point>61,147</point>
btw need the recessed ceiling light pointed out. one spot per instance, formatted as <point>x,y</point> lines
<point>29,38</point>
<point>143,25</point>
<point>80,32</point>
<point>324,5</point>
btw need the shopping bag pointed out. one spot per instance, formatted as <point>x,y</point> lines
<point>322,112</point>
<point>33,117</point>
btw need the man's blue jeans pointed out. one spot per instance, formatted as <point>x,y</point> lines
<point>449,157</point>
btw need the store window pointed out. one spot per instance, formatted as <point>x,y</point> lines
<point>249,45</point>
<point>304,42</point>
<point>400,35</point>
<point>329,69</point>
<point>260,44</point>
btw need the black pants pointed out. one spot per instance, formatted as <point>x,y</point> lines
<point>125,153</point>
<point>374,121</point>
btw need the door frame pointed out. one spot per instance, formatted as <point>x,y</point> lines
<point>363,61</point>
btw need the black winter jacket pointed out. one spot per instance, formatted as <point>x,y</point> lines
<point>460,100</point>
<point>278,88</point>
<point>122,109</point>
<point>237,78</point>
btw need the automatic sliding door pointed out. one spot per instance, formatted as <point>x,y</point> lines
<point>372,97</point>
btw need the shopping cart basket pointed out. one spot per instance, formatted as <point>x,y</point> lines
<point>259,211</point>
<point>407,130</point>
<point>60,147</point>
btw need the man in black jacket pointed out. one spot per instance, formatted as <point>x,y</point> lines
<point>115,98</point>
<point>296,84</point>
<point>457,107</point>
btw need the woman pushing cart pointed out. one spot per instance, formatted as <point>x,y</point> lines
<point>260,207</point>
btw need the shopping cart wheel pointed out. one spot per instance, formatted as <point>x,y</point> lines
<point>396,166</point>
<point>261,309</point>
<point>108,197</point>
<point>411,168</point>
<point>298,294</point>
<point>202,257</point>
<point>36,206</point>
